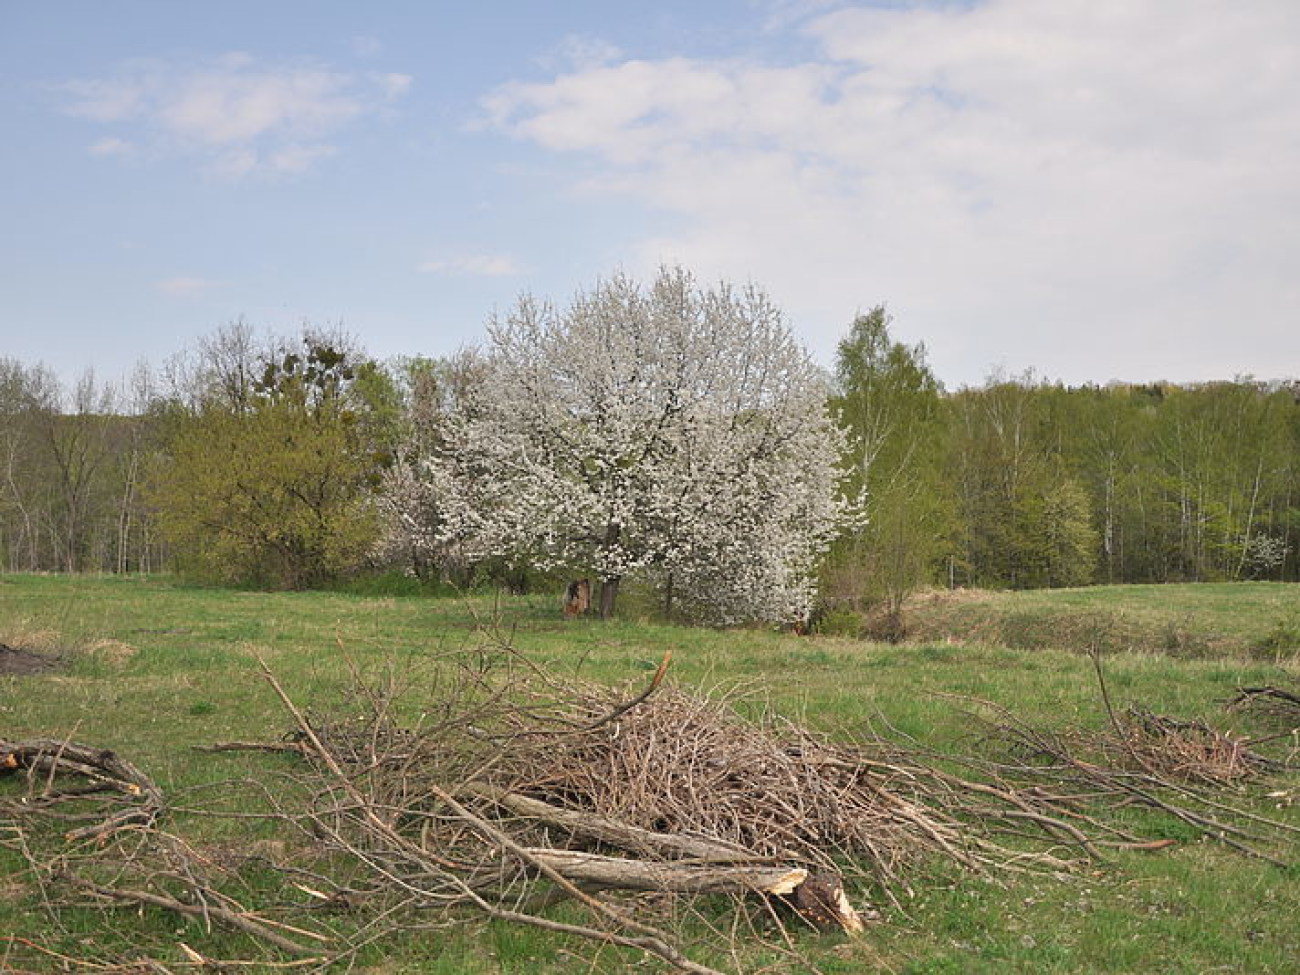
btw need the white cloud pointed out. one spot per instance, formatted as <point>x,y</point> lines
<point>394,85</point>
<point>1085,186</point>
<point>112,146</point>
<point>580,52</point>
<point>235,113</point>
<point>298,158</point>
<point>107,100</point>
<point>474,265</point>
<point>780,15</point>
<point>234,163</point>
<point>225,107</point>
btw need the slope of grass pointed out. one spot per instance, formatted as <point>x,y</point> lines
<point>1258,619</point>
<point>151,668</point>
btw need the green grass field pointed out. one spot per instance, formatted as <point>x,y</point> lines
<point>151,668</point>
<point>1206,620</point>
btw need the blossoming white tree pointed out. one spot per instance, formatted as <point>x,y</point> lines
<point>674,433</point>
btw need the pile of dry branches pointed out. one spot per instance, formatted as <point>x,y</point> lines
<point>1189,751</point>
<point>507,790</point>
<point>87,824</point>
<point>528,789</point>
<point>489,787</point>
<point>1275,704</point>
<point>1174,767</point>
<point>671,774</point>
<point>105,794</point>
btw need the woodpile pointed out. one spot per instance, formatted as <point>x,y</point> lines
<point>670,793</point>
<point>496,789</point>
<point>80,784</point>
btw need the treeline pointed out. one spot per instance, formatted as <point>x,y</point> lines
<point>1154,483</point>
<point>72,470</point>
<point>260,461</point>
<point>1024,483</point>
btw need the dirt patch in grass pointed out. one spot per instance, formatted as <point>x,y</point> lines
<point>15,660</point>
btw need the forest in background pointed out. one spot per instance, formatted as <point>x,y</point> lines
<point>1019,483</point>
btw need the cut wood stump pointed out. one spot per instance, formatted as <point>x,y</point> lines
<point>820,900</point>
<point>577,597</point>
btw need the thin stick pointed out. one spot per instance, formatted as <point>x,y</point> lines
<point>232,918</point>
<point>622,709</point>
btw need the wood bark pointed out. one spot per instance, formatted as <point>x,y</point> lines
<point>595,871</point>
<point>609,596</point>
<point>50,757</point>
<point>705,865</point>
<point>612,833</point>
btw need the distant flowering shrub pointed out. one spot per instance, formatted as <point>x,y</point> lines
<point>1265,554</point>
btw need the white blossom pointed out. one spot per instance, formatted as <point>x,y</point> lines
<point>672,433</point>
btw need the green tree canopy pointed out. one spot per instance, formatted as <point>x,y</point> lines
<point>890,402</point>
<point>269,472</point>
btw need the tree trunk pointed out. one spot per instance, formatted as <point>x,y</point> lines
<point>710,866</point>
<point>608,596</point>
<point>609,585</point>
<point>591,870</point>
<point>634,839</point>
<point>817,898</point>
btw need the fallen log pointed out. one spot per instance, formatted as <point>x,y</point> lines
<point>596,871</point>
<point>818,898</point>
<point>713,867</point>
<point>589,826</point>
<point>103,768</point>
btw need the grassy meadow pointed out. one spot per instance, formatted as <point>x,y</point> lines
<point>151,669</point>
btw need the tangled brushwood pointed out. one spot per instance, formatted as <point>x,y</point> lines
<point>1277,705</point>
<point>651,818</point>
<point>113,795</point>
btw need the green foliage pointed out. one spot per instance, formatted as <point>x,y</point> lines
<point>1058,542</point>
<point>1281,641</point>
<point>1026,519</point>
<point>263,462</point>
<point>273,489</point>
<point>841,621</point>
<point>1145,484</point>
<point>890,403</point>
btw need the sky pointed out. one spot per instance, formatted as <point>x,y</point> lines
<point>1094,190</point>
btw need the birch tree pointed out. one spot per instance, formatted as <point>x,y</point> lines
<point>891,405</point>
<point>673,433</point>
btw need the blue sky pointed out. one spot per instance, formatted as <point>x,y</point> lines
<point>1094,189</point>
